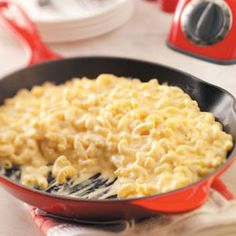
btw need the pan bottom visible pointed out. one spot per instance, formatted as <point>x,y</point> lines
<point>100,222</point>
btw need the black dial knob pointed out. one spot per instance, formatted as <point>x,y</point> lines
<point>206,22</point>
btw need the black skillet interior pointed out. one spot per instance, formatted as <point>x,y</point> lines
<point>210,98</point>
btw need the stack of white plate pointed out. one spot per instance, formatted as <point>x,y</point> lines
<point>70,20</point>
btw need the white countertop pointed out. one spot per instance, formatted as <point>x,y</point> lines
<point>144,37</point>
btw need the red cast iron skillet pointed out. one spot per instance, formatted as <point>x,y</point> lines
<point>210,98</point>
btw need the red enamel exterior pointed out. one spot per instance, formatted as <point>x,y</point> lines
<point>224,50</point>
<point>181,200</point>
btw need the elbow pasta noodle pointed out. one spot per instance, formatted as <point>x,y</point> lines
<point>152,137</point>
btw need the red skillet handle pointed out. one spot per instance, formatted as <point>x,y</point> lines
<point>25,31</point>
<point>220,187</point>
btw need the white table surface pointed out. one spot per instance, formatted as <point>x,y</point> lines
<point>144,37</point>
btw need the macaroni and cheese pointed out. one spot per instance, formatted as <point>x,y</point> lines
<point>152,137</point>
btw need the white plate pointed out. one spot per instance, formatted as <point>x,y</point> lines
<point>68,11</point>
<point>74,34</point>
<point>70,20</point>
<point>120,9</point>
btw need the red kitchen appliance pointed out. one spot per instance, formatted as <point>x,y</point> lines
<point>205,29</point>
<point>168,5</point>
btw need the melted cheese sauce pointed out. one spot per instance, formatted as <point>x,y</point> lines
<point>153,138</point>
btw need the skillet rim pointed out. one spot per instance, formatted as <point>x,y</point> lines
<point>230,158</point>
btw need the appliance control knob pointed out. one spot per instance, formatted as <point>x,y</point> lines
<point>206,22</point>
